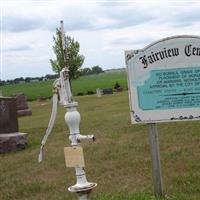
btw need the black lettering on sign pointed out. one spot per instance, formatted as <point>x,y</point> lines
<point>160,55</point>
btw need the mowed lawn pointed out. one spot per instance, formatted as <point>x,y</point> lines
<point>81,85</point>
<point>119,161</point>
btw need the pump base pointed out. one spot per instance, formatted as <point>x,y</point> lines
<point>77,188</point>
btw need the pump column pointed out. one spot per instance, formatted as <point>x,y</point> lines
<point>72,118</point>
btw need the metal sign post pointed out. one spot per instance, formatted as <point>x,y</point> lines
<point>74,154</point>
<point>155,159</point>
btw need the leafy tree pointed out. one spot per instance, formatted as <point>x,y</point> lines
<point>96,70</point>
<point>86,71</point>
<point>75,60</point>
<point>117,85</point>
<point>27,79</point>
<point>2,82</point>
<point>17,80</point>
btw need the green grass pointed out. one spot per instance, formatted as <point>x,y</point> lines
<point>31,90</point>
<point>137,196</point>
<point>86,83</point>
<point>119,161</point>
<point>81,85</point>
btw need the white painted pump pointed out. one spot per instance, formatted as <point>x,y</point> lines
<point>72,118</point>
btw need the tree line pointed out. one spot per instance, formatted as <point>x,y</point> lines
<point>28,79</point>
<point>82,72</point>
<point>89,71</point>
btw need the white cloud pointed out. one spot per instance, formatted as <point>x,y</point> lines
<point>104,30</point>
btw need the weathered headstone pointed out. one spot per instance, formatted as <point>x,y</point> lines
<point>119,89</point>
<point>10,138</point>
<point>8,115</point>
<point>108,91</point>
<point>99,92</point>
<point>22,106</point>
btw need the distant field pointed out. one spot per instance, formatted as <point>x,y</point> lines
<point>81,85</point>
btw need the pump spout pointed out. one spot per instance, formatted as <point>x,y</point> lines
<point>86,137</point>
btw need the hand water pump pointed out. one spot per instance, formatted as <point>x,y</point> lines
<point>74,154</point>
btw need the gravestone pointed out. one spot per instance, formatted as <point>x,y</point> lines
<point>10,138</point>
<point>119,89</point>
<point>99,92</point>
<point>22,106</point>
<point>108,91</point>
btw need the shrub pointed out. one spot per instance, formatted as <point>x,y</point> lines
<point>80,94</point>
<point>90,92</point>
<point>117,85</point>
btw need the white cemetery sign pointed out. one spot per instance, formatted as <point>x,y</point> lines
<point>164,80</point>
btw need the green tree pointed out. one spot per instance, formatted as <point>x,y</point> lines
<point>97,70</point>
<point>86,71</point>
<point>75,60</point>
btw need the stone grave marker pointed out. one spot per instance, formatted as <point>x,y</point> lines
<point>119,89</point>
<point>108,91</point>
<point>22,106</point>
<point>99,92</point>
<point>10,138</point>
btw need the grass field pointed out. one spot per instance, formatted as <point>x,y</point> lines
<point>81,85</point>
<point>119,161</point>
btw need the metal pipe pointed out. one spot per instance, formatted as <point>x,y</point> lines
<point>84,197</point>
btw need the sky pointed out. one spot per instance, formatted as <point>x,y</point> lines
<point>104,29</point>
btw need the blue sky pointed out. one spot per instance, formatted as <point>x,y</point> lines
<point>104,30</point>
